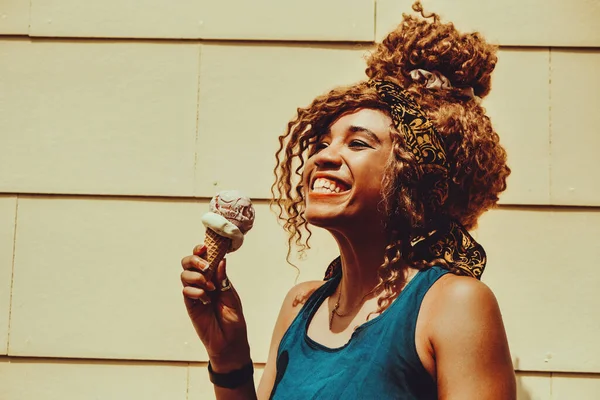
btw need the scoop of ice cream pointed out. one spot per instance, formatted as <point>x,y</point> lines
<point>231,215</point>
<point>224,227</point>
<point>234,206</point>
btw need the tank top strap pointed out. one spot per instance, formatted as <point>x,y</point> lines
<point>423,280</point>
<point>318,296</point>
<point>408,304</point>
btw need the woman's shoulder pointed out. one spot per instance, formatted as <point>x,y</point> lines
<point>459,303</point>
<point>298,295</point>
<point>456,289</point>
<point>465,328</point>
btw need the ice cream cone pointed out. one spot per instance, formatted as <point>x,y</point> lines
<point>230,216</point>
<point>216,248</point>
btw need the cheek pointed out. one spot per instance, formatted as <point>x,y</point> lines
<point>304,182</point>
<point>374,186</point>
<point>373,174</point>
<point>308,167</point>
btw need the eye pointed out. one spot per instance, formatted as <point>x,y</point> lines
<point>358,144</point>
<point>317,147</point>
<point>320,146</point>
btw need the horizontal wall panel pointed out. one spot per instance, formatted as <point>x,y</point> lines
<point>332,20</point>
<point>226,19</point>
<point>509,22</point>
<point>97,251</point>
<point>100,278</point>
<point>98,117</point>
<point>575,119</point>
<point>518,106</point>
<point>245,106</point>
<point>539,267</point>
<point>580,387</point>
<point>7,238</point>
<point>115,18</point>
<point>14,17</point>
<point>29,379</point>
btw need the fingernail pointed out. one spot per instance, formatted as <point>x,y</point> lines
<point>202,266</point>
<point>210,286</point>
<point>205,302</point>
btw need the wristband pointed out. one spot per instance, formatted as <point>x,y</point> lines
<point>233,379</point>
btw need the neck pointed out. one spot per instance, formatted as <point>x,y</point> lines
<point>361,256</point>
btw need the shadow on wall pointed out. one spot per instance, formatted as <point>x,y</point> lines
<point>522,392</point>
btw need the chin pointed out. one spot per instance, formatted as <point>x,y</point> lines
<point>343,219</point>
<point>322,221</point>
<point>329,221</point>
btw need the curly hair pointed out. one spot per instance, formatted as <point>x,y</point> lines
<point>478,169</point>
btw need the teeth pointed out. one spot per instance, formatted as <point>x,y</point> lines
<point>323,185</point>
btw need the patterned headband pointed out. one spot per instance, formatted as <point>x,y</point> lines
<point>445,239</point>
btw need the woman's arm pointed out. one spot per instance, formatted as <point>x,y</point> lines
<point>470,345</point>
<point>218,319</point>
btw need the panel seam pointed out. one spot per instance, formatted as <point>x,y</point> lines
<point>197,139</point>
<point>375,21</point>
<point>12,277</point>
<point>29,19</point>
<point>550,197</point>
<point>187,383</point>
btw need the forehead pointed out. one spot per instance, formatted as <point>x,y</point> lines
<point>376,121</point>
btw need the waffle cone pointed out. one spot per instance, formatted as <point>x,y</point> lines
<point>216,248</point>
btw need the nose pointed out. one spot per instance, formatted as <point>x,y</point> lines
<point>328,157</point>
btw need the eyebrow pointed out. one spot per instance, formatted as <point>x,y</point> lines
<point>357,129</point>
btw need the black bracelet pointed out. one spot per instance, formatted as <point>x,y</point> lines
<point>233,379</point>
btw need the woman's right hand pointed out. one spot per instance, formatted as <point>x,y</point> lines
<point>215,310</point>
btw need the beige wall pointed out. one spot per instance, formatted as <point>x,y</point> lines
<point>111,130</point>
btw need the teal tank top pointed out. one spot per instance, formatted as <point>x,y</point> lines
<point>379,361</point>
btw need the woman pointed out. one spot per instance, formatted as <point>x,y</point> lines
<point>397,169</point>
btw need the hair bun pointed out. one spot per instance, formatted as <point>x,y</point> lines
<point>467,60</point>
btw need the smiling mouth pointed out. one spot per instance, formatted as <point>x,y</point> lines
<point>328,186</point>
